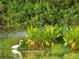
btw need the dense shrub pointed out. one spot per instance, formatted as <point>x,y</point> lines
<point>26,13</point>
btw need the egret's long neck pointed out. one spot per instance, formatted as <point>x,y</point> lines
<point>20,43</point>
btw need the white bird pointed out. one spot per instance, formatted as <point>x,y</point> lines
<point>16,46</point>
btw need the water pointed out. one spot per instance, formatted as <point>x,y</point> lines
<point>9,54</point>
<point>19,34</point>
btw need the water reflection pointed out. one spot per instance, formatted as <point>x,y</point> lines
<point>33,54</point>
<point>15,54</point>
<point>5,53</point>
<point>72,55</point>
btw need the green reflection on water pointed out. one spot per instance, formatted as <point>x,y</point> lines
<point>36,55</point>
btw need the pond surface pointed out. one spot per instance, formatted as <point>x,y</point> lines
<point>19,34</point>
<point>8,53</point>
<point>15,54</point>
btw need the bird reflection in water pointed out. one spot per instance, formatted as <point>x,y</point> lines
<point>16,54</point>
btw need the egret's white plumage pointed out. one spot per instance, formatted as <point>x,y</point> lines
<point>16,46</point>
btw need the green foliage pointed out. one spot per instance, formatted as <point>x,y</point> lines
<point>7,43</point>
<point>1,6</point>
<point>26,13</point>
<point>71,33</point>
<point>52,32</point>
<point>46,33</point>
<point>35,33</point>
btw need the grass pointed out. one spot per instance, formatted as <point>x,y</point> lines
<point>7,43</point>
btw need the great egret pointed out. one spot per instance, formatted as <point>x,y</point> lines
<point>16,46</point>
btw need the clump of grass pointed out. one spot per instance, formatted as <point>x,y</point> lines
<point>7,43</point>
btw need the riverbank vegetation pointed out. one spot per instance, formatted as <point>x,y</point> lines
<point>48,36</point>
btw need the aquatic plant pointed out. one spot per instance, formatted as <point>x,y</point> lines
<point>71,36</point>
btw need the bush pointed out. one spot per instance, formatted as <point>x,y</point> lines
<point>24,13</point>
